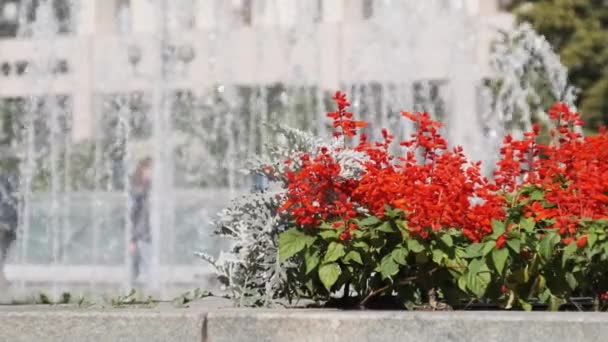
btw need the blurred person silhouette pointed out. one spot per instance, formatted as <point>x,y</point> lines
<point>140,246</point>
<point>9,214</point>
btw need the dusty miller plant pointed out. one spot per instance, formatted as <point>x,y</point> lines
<point>250,269</point>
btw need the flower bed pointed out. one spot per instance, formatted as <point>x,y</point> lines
<point>425,228</point>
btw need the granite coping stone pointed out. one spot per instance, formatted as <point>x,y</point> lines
<point>216,321</point>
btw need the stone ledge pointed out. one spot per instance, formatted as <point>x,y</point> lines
<point>404,326</point>
<point>216,323</point>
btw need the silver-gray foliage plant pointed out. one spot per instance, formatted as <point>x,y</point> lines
<point>250,270</point>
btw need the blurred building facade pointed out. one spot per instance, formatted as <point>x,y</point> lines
<point>96,34</point>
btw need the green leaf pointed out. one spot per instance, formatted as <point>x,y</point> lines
<point>438,256</point>
<point>359,234</point>
<point>591,239</point>
<point>520,276</point>
<point>488,247</point>
<point>478,278</point>
<point>525,305</point>
<point>334,252</point>
<point>462,282</point>
<point>392,212</point>
<point>537,195</point>
<point>498,227</point>
<point>329,234</point>
<point>568,252</point>
<point>329,274</point>
<point>326,226</point>
<point>547,245</point>
<point>360,244</point>
<point>456,266</point>
<point>571,280</point>
<point>399,254</point>
<point>388,267</point>
<point>291,242</point>
<point>473,251</point>
<point>515,245</point>
<point>545,295</point>
<point>499,258</point>
<point>555,303</point>
<point>414,246</point>
<point>312,261</point>
<point>369,221</point>
<point>475,266</point>
<point>354,256</point>
<point>527,224</point>
<point>447,239</point>
<point>386,227</point>
<point>540,284</point>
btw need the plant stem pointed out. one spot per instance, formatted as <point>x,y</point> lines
<point>376,292</point>
<point>403,281</point>
<point>373,294</point>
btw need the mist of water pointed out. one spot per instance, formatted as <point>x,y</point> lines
<point>196,97</point>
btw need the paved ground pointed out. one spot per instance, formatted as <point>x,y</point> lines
<point>99,273</point>
<point>29,281</point>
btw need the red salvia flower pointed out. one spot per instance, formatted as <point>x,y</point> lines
<point>343,119</point>
<point>501,241</point>
<point>582,241</point>
<point>438,188</point>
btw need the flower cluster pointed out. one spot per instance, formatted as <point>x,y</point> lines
<point>570,175</point>
<point>434,187</point>
<point>317,192</point>
<point>426,219</point>
<point>343,119</point>
<point>438,188</point>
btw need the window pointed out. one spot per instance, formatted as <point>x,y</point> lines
<point>429,97</point>
<point>319,11</point>
<point>61,13</point>
<point>9,17</point>
<point>368,9</point>
<point>247,12</point>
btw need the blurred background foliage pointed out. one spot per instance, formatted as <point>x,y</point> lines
<point>578,31</point>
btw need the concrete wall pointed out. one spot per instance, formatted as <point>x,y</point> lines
<point>214,322</point>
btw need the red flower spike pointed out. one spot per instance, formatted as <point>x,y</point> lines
<point>569,178</point>
<point>501,241</point>
<point>343,119</point>
<point>582,241</point>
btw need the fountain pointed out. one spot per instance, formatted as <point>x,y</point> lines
<point>193,84</point>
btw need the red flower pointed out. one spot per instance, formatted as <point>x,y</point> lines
<point>582,241</point>
<point>501,241</point>
<point>345,235</point>
<point>504,289</point>
<point>437,188</point>
<point>343,119</point>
